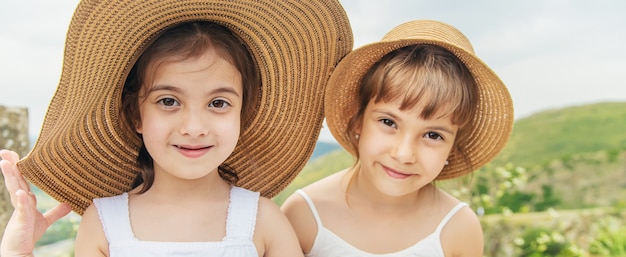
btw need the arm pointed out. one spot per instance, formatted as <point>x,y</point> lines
<point>463,235</point>
<point>90,238</point>
<point>27,224</point>
<point>274,233</point>
<point>297,211</point>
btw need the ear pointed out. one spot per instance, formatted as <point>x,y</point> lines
<point>358,126</point>
<point>138,128</point>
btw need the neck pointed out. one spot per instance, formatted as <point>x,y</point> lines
<point>171,187</point>
<point>362,193</point>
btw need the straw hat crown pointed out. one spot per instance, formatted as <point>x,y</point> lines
<point>432,31</point>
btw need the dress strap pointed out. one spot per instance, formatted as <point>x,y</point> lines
<point>114,216</point>
<point>242,211</point>
<point>448,216</point>
<point>311,206</point>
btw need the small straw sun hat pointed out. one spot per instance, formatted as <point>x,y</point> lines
<point>83,151</point>
<point>490,127</point>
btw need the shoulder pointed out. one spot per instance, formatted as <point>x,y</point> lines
<point>268,216</point>
<point>90,221</point>
<point>90,239</point>
<point>463,235</point>
<point>323,193</point>
<point>273,232</point>
<point>295,206</point>
<point>268,210</point>
<point>302,220</point>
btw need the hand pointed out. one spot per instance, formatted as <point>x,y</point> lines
<point>27,224</point>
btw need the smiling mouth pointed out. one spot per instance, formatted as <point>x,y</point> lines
<point>191,148</point>
<point>193,151</point>
<point>394,174</point>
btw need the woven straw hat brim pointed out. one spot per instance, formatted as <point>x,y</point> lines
<point>83,152</point>
<point>490,127</point>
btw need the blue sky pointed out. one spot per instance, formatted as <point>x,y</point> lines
<point>551,54</point>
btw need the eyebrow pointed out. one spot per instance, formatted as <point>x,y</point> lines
<point>177,90</point>
<point>395,117</point>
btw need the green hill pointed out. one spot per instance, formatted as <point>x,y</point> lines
<point>556,134</point>
<point>578,152</point>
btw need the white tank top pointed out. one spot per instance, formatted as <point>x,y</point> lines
<point>328,244</point>
<point>240,222</point>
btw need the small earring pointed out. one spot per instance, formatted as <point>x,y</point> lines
<point>446,162</point>
<point>357,136</point>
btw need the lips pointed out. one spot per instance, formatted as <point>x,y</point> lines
<point>395,174</point>
<point>193,151</point>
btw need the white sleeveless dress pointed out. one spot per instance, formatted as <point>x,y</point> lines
<point>328,244</point>
<point>238,242</point>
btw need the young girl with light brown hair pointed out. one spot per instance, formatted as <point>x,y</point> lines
<point>413,108</point>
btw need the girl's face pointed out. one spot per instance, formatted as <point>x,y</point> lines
<point>190,115</point>
<point>401,152</point>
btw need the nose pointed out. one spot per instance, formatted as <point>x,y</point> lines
<point>404,150</point>
<point>194,122</point>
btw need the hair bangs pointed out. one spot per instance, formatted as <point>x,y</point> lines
<point>439,86</point>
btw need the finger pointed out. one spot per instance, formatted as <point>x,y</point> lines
<point>57,212</point>
<point>13,157</point>
<point>23,207</point>
<point>13,180</point>
<point>10,156</point>
<point>11,167</point>
<point>26,212</point>
<point>11,184</point>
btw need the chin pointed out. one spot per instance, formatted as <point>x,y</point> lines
<point>394,190</point>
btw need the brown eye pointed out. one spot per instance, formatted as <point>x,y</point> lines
<point>433,135</point>
<point>168,102</point>
<point>219,104</point>
<point>388,122</point>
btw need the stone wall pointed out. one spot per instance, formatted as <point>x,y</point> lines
<point>13,136</point>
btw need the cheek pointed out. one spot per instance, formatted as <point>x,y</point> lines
<point>151,130</point>
<point>233,120</point>
<point>372,144</point>
<point>145,121</point>
<point>231,128</point>
<point>434,159</point>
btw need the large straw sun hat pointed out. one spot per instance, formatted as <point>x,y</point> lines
<point>83,152</point>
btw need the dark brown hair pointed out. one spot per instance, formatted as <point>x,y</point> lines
<point>179,43</point>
